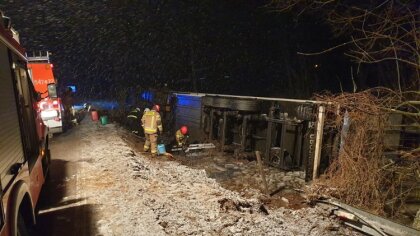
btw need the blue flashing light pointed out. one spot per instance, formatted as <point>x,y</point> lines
<point>147,96</point>
<point>73,88</point>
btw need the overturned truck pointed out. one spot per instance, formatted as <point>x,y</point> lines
<point>292,134</point>
<point>288,132</point>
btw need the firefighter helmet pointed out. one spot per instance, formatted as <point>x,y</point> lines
<point>156,108</point>
<point>184,130</point>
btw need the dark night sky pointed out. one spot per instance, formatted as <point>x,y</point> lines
<point>231,47</point>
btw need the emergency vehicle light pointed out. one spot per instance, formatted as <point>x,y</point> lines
<point>147,96</point>
<point>73,88</point>
<point>49,114</point>
<point>43,105</point>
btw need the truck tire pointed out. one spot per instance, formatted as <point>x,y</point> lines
<point>236,104</point>
<point>221,102</point>
<point>207,101</point>
<point>22,228</point>
<point>245,105</point>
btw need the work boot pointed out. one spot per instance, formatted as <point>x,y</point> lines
<point>154,155</point>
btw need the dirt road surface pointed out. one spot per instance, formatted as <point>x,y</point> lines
<point>99,185</point>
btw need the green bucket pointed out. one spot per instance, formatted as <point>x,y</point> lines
<point>104,120</point>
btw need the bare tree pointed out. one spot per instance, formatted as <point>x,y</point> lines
<point>377,31</point>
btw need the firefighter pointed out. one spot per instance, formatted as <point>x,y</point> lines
<point>133,120</point>
<point>151,123</point>
<point>181,136</point>
<point>68,104</point>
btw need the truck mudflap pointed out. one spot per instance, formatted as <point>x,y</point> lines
<point>368,223</point>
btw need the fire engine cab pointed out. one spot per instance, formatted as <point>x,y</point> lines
<point>50,106</point>
<point>24,152</point>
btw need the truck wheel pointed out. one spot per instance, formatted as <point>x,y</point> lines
<point>22,229</point>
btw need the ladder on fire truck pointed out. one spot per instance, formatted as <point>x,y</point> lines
<point>38,56</point>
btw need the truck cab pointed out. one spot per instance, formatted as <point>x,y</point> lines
<point>50,105</point>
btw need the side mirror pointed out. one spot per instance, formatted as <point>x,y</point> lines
<point>52,91</point>
<point>7,22</point>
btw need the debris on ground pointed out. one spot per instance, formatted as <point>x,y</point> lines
<point>139,195</point>
<point>416,223</point>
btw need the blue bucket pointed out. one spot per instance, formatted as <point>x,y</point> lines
<point>161,149</point>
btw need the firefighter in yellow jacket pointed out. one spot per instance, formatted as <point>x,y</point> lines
<point>151,123</point>
<point>181,136</point>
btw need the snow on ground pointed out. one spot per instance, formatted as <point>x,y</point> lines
<point>137,195</point>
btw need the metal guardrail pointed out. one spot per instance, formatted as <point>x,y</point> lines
<point>369,223</point>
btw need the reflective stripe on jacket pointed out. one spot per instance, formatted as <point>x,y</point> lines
<point>180,138</point>
<point>134,113</point>
<point>179,135</point>
<point>151,122</point>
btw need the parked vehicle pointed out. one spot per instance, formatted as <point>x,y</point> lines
<point>24,153</point>
<point>41,71</point>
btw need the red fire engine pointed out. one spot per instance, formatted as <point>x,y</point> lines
<point>41,72</point>
<point>24,154</point>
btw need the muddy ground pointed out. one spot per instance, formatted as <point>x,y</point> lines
<point>101,184</point>
<point>285,189</point>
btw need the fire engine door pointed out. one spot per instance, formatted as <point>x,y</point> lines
<point>27,101</point>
